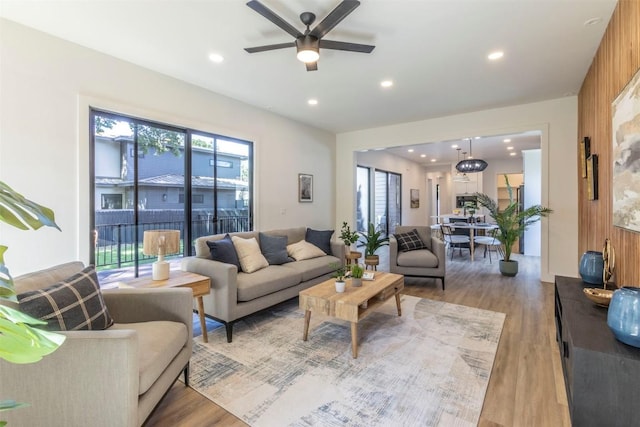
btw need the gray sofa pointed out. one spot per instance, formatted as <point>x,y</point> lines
<point>112,377</point>
<point>427,262</point>
<point>235,295</point>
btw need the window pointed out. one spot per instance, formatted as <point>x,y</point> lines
<point>148,175</point>
<point>363,200</point>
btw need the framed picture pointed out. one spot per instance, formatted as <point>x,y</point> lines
<point>305,187</point>
<point>415,198</point>
<point>625,114</point>
<point>592,177</point>
<point>585,152</point>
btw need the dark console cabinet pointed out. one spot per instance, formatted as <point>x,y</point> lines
<point>602,375</point>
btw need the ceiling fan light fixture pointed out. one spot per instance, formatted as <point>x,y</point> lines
<point>308,50</point>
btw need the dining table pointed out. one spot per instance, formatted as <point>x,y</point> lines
<point>472,227</point>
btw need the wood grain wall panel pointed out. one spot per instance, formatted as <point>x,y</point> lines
<point>615,62</point>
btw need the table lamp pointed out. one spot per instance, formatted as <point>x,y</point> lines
<point>161,243</point>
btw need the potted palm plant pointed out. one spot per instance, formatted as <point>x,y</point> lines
<point>511,222</point>
<point>372,240</point>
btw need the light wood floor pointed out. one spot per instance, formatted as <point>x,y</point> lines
<point>526,386</point>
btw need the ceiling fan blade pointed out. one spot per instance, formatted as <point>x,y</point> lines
<point>338,14</point>
<point>312,66</point>
<point>269,47</point>
<point>271,16</point>
<point>351,47</point>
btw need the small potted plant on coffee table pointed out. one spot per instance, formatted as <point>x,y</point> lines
<point>339,273</point>
<point>357,271</point>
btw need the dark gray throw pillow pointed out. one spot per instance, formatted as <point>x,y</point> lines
<point>274,248</point>
<point>320,238</point>
<point>73,304</point>
<point>409,241</point>
<point>223,250</point>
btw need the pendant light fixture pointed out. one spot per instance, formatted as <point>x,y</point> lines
<point>471,165</point>
<point>461,177</point>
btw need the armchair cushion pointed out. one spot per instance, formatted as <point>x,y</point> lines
<point>421,258</point>
<point>320,238</point>
<point>223,250</point>
<point>73,304</point>
<point>410,241</point>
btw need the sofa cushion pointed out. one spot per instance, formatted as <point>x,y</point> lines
<point>72,304</point>
<point>266,281</point>
<point>251,259</point>
<point>274,249</point>
<point>320,238</point>
<point>158,343</point>
<point>304,250</point>
<point>410,241</point>
<point>421,258</point>
<point>316,267</point>
<point>223,250</point>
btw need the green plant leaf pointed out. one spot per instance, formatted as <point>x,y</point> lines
<point>22,213</point>
<point>6,281</point>
<point>5,405</point>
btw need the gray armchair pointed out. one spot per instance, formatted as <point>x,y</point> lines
<point>112,377</point>
<point>429,262</point>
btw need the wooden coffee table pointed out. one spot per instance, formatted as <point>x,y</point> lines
<point>354,304</point>
<point>201,285</point>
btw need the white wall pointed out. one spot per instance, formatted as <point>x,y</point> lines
<point>413,176</point>
<point>46,87</point>
<point>557,122</point>
<point>532,196</point>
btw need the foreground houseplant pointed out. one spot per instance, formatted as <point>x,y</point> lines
<point>511,222</point>
<point>372,240</point>
<point>20,342</point>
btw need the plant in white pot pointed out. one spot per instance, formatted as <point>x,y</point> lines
<point>20,342</point>
<point>339,273</point>
<point>511,222</point>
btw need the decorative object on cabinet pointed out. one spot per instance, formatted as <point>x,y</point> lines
<point>585,152</point>
<point>592,177</point>
<point>609,262</point>
<point>305,187</point>
<point>601,297</point>
<point>591,267</point>
<point>626,140</point>
<point>624,315</point>
<point>601,374</point>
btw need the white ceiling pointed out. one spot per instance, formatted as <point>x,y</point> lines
<point>434,51</point>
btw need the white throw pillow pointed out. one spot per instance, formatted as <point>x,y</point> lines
<point>249,255</point>
<point>304,250</point>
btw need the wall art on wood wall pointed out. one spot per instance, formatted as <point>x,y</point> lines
<point>625,112</point>
<point>592,177</point>
<point>585,152</point>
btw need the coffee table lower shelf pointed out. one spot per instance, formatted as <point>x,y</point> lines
<point>352,305</point>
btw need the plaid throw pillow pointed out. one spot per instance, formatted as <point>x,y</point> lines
<point>70,305</point>
<point>409,241</point>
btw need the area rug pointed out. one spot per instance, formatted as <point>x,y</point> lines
<point>429,367</point>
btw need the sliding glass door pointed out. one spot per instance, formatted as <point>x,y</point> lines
<point>387,206</point>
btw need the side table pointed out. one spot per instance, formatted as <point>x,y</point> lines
<point>201,285</point>
<point>353,256</point>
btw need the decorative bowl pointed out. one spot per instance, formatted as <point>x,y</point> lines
<point>601,297</point>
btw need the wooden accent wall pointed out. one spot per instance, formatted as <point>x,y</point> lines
<point>615,63</point>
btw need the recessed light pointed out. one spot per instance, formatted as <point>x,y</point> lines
<point>454,146</point>
<point>312,101</point>
<point>495,55</point>
<point>386,83</point>
<point>592,21</point>
<point>506,141</point>
<point>509,148</point>
<point>423,155</point>
<point>477,137</point>
<point>410,150</point>
<point>433,160</point>
<point>215,57</point>
<point>513,154</point>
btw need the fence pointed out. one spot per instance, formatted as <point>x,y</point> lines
<point>120,245</point>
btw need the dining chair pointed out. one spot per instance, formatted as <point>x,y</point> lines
<point>490,242</point>
<point>455,240</point>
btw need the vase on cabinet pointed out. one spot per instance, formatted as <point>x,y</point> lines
<point>592,267</point>
<point>624,315</point>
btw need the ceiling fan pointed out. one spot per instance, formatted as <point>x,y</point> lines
<point>308,44</point>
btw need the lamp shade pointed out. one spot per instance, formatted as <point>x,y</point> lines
<point>471,165</point>
<point>161,242</point>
